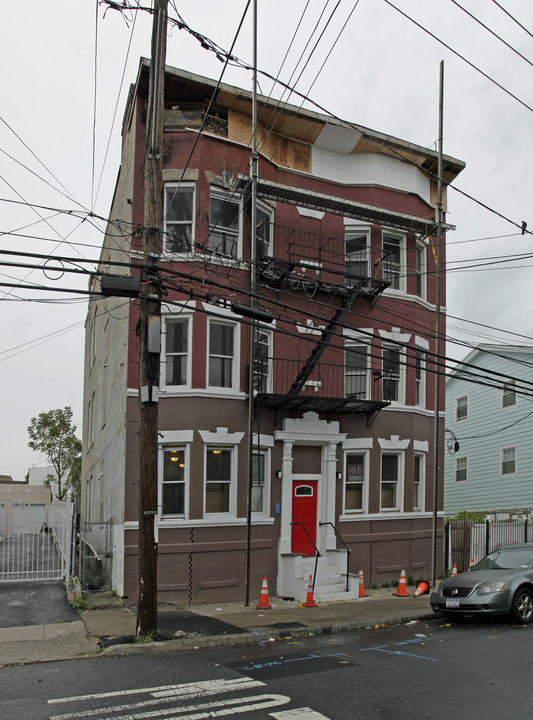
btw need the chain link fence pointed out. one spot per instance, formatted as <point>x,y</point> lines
<point>95,556</point>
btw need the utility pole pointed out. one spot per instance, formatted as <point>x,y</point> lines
<point>253,326</point>
<point>150,331</point>
<point>438,342</point>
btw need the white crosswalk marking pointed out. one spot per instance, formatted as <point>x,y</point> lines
<point>172,702</point>
<point>303,713</point>
<point>195,689</point>
<point>163,698</point>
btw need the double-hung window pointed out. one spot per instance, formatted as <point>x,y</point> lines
<point>259,486</point>
<point>262,360</point>
<point>390,481</point>
<point>263,232</point>
<point>393,250</point>
<point>420,270</point>
<point>461,469</point>
<point>176,351</point>
<point>420,378</point>
<point>461,408</point>
<point>357,258</point>
<point>91,421</point>
<point>354,485</point>
<point>356,371</point>
<point>418,481</point>
<point>509,394</point>
<point>218,480</point>
<point>392,374</point>
<point>179,219</point>
<point>224,224</point>
<point>221,361</point>
<point>508,461</point>
<point>173,482</point>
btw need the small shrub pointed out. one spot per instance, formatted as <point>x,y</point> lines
<point>80,604</point>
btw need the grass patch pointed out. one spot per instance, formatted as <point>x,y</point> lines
<point>145,639</point>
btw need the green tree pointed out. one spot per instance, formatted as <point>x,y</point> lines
<point>53,435</point>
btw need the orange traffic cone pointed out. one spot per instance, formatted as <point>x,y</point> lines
<point>264,603</point>
<point>421,589</point>
<point>454,569</point>
<point>471,564</point>
<point>402,586</point>
<point>361,584</point>
<point>310,602</point>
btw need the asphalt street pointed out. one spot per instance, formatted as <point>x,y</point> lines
<point>430,668</point>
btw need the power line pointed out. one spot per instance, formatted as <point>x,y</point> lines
<point>494,34</point>
<point>513,18</point>
<point>471,64</point>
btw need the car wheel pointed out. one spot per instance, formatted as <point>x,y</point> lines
<point>523,606</point>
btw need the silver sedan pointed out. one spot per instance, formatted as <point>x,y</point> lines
<point>500,584</point>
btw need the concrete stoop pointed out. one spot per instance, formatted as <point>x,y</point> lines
<point>330,585</point>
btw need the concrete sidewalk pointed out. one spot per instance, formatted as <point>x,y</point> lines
<point>108,627</point>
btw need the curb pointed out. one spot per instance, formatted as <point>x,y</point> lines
<point>254,636</point>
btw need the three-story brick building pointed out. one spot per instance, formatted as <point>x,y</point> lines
<point>342,407</point>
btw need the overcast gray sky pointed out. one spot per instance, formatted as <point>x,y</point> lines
<point>67,68</point>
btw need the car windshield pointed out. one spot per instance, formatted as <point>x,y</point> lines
<point>507,559</point>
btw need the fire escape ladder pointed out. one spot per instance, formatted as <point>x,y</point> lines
<point>327,334</point>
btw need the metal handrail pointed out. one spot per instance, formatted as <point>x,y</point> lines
<point>348,550</point>
<point>317,551</point>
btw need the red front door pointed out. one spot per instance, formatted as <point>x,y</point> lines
<point>303,511</point>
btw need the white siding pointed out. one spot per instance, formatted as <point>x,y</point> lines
<point>369,169</point>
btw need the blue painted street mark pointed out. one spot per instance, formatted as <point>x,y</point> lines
<point>414,641</point>
<point>285,661</point>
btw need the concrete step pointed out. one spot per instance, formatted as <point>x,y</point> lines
<point>335,597</point>
<point>325,589</point>
<point>327,577</point>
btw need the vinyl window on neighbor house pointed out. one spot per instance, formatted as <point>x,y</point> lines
<point>354,483</point>
<point>357,257</point>
<point>390,481</point>
<point>218,480</point>
<point>176,351</point>
<point>392,374</point>
<point>224,224</point>
<point>173,482</point>
<point>419,472</point>
<point>461,408</point>
<point>461,469</point>
<point>356,371</point>
<point>393,247</point>
<point>221,354</point>
<point>179,219</point>
<point>509,394</point>
<point>508,461</point>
